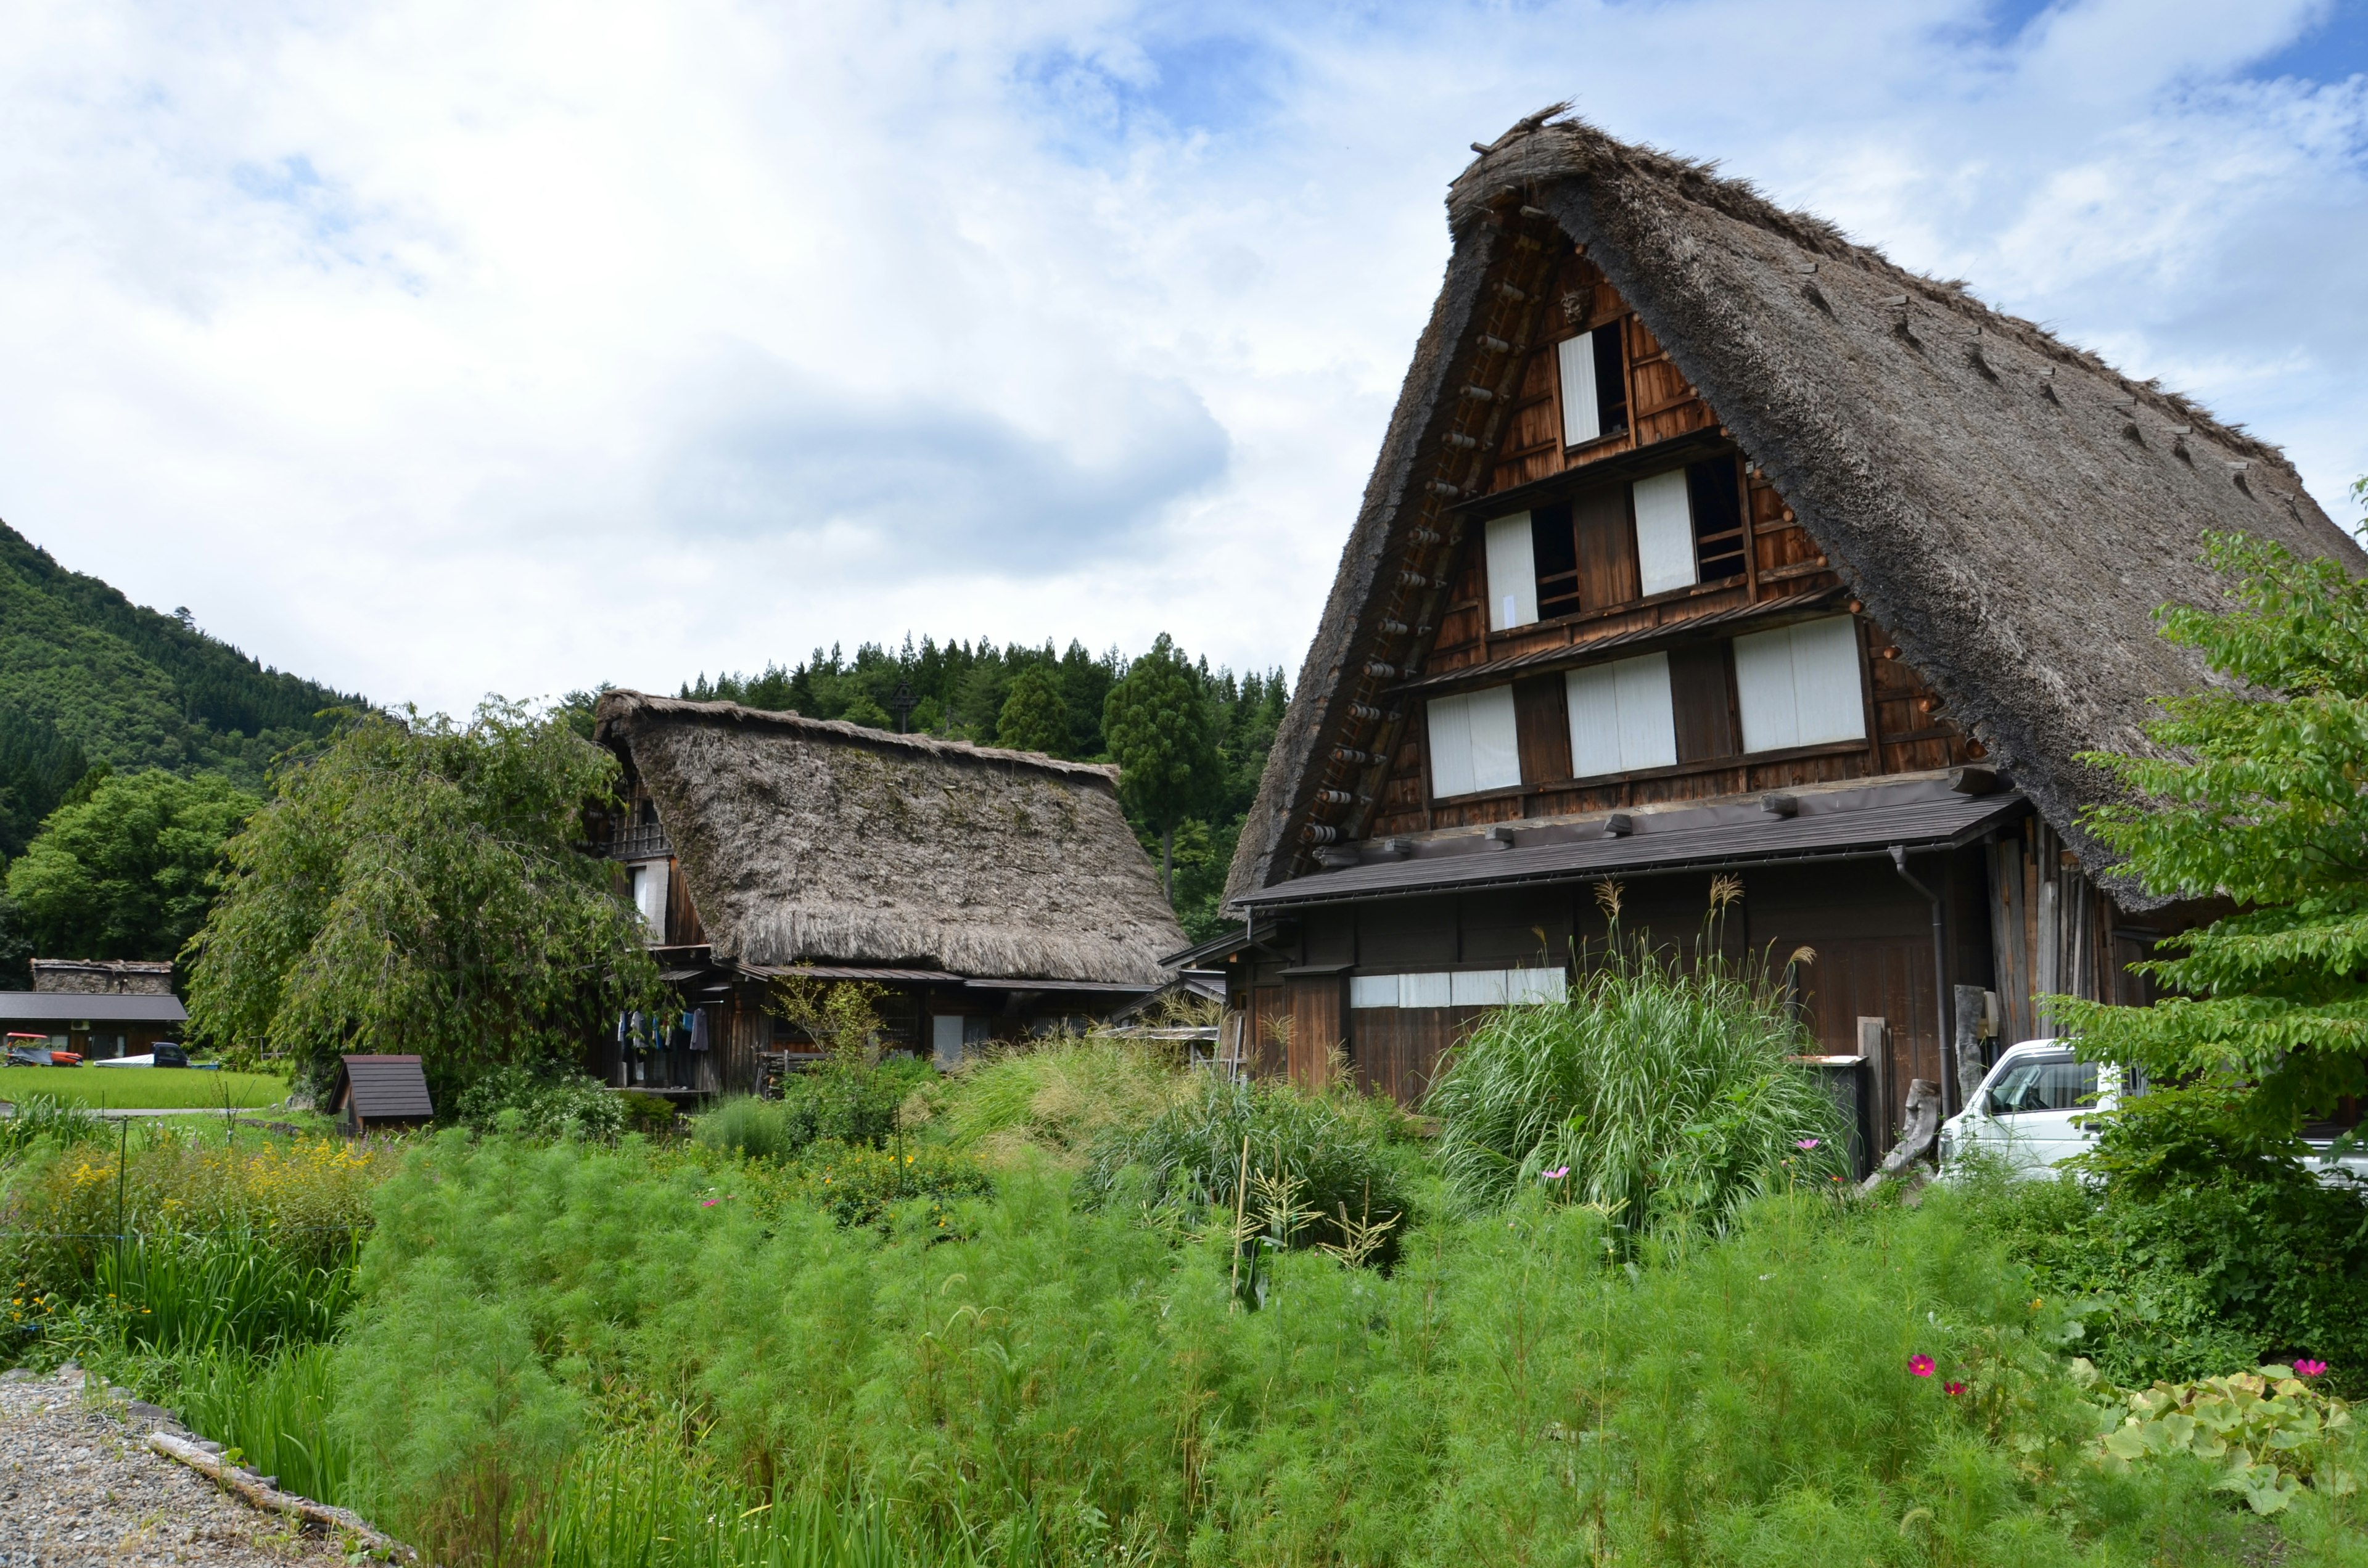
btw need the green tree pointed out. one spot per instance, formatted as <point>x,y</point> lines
<point>2259,794</point>
<point>128,870</point>
<point>1036,715</point>
<point>415,888</point>
<point>1157,725</point>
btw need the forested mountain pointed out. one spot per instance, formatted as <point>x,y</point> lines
<point>88,677</point>
<point>968,691</point>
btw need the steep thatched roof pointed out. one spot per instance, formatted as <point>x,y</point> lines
<point>806,839</point>
<point>2011,508</point>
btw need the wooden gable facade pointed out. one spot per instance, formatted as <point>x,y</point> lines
<point>1632,605</point>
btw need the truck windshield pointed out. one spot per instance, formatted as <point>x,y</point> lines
<point>2045,1083</point>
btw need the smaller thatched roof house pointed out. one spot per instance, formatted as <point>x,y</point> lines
<point>985,888</point>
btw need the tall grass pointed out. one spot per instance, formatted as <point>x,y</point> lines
<point>1660,1088</point>
<point>241,1289</point>
<point>1054,1098</point>
<point>274,1410</point>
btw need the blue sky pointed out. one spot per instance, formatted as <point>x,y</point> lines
<point>436,350</point>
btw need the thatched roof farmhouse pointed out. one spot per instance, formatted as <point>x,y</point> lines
<point>987,888</point>
<point>1703,540</point>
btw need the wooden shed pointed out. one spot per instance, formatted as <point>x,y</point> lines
<point>1705,543</point>
<point>380,1092</point>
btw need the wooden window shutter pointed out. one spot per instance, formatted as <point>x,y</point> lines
<point>1606,547</point>
<point>1703,701</point>
<point>1544,728</point>
<point>1582,405</point>
<point>1512,573</point>
<point>1620,718</point>
<point>1664,533</point>
<point>1799,686</point>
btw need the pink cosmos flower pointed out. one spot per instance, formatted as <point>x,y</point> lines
<point>1805,1142</point>
<point>1921,1364</point>
<point>1952,1387</point>
<point>708,1202</point>
<point>1557,1173</point>
<point>2306,1367</point>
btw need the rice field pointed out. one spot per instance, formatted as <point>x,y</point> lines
<point>144,1088</point>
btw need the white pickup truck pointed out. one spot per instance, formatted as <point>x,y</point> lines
<point>2027,1111</point>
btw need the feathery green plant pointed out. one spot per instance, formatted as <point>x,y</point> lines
<point>1660,1091</point>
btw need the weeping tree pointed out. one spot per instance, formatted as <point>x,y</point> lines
<point>415,888</point>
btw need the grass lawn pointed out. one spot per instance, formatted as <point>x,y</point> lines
<point>144,1088</point>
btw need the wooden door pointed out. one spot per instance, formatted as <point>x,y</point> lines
<point>1315,1017</point>
<point>1888,978</point>
<point>1265,1052</point>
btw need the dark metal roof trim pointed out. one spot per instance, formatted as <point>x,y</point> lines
<point>1869,831</point>
<point>72,1006</point>
<point>849,972</point>
<point>1102,985</point>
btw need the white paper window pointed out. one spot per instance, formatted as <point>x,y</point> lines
<point>946,1040</point>
<point>1477,987</point>
<point>1473,743</point>
<point>1799,686</point>
<point>648,883</point>
<point>1512,573</point>
<point>1372,991</point>
<point>1621,717</point>
<point>1582,405</point>
<point>1524,985</point>
<point>1425,990</point>
<point>1664,534</point>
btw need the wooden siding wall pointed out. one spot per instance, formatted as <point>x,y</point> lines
<point>2054,932</point>
<point>1907,730</point>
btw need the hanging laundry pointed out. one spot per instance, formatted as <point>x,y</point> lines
<point>698,1017</point>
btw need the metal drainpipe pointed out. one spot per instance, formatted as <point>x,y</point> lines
<point>1940,983</point>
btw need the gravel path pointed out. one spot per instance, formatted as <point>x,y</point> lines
<point>77,1487</point>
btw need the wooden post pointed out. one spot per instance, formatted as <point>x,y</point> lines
<point>1872,1033</point>
<point>1969,1071</point>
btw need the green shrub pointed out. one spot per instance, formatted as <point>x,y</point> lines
<point>842,1101</point>
<point>2199,1245</point>
<point>1346,1154</point>
<point>1055,1098</point>
<point>1663,1093</point>
<point>542,1103</point>
<point>858,1185</point>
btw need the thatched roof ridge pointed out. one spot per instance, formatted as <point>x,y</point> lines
<point>805,840</point>
<point>2013,530</point>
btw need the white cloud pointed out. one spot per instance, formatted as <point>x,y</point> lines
<point>439,348</point>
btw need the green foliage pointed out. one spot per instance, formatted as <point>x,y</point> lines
<point>1157,723</point>
<point>1054,1098</point>
<point>415,888</point>
<point>271,1413</point>
<point>87,676</point>
<point>860,1184</point>
<point>842,1101</point>
<point>1662,1090</point>
<point>2254,794</point>
<point>567,1344</point>
<point>47,1120</point>
<point>240,1288</point>
<point>2194,1243</point>
<point>543,1102</point>
<point>2269,1432</point>
<point>129,872</point>
<point>1035,717</point>
<point>1347,1156</point>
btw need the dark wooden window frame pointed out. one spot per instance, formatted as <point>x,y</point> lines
<point>1644,775</point>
